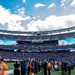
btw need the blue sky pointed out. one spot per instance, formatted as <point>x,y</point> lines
<point>35,15</point>
<point>28,5</point>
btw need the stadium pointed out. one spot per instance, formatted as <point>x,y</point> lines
<point>50,45</point>
<point>37,37</point>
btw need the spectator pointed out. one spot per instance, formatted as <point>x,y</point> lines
<point>3,67</point>
<point>36,67</point>
<point>39,65</point>
<point>16,68</point>
<point>45,67</point>
<point>29,67</point>
<point>23,67</point>
<point>49,67</point>
<point>69,68</point>
<point>62,68</point>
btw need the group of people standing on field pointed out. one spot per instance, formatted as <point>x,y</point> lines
<point>66,67</point>
<point>30,67</point>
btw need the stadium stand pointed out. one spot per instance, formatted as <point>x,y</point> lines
<point>38,45</point>
<point>40,41</point>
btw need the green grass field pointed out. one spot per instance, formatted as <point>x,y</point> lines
<point>41,73</point>
<point>10,66</point>
<point>57,73</point>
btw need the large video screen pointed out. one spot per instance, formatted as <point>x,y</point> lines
<point>7,42</point>
<point>68,41</point>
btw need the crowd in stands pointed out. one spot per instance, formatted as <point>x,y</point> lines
<point>37,46</point>
<point>55,55</point>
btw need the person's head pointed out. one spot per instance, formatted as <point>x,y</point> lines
<point>16,62</point>
<point>48,61</point>
<point>1,59</point>
<point>45,60</point>
<point>23,60</point>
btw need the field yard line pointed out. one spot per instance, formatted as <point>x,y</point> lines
<point>9,72</point>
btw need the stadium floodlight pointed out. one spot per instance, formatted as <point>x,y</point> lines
<point>72,50</point>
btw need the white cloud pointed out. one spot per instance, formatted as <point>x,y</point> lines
<point>63,2</point>
<point>17,22</point>
<point>52,22</point>
<point>24,1</point>
<point>51,6</point>
<point>73,3</point>
<point>12,20</point>
<point>39,5</point>
<point>21,11</point>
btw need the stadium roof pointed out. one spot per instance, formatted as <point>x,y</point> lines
<point>37,32</point>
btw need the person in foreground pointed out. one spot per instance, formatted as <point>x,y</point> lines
<point>3,67</point>
<point>16,68</point>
